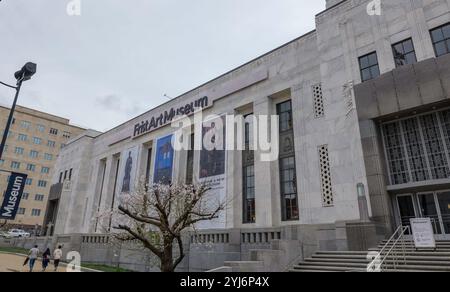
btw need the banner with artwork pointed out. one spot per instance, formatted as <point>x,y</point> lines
<point>213,168</point>
<point>164,161</point>
<point>127,171</point>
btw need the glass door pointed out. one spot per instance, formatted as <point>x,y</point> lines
<point>406,209</point>
<point>444,208</point>
<point>428,209</point>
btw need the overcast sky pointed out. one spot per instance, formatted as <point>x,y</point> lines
<point>118,58</point>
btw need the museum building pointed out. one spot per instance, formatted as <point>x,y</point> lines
<point>365,100</point>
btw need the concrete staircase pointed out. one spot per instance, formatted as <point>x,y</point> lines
<point>355,261</point>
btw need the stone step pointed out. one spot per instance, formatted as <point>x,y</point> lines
<point>388,263</point>
<point>364,253</point>
<point>409,260</point>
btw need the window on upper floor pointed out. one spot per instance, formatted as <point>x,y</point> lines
<point>15,165</point>
<point>368,65</point>
<point>45,170</point>
<point>31,167</point>
<point>22,137</point>
<point>48,156</point>
<point>19,151</point>
<point>25,124</point>
<point>41,128</point>
<point>36,212</point>
<point>404,53</point>
<point>37,141</point>
<point>29,181</point>
<point>39,198</point>
<point>25,196</point>
<point>66,135</point>
<point>441,39</point>
<point>21,211</point>
<point>51,144</point>
<point>42,183</point>
<point>34,154</point>
<point>53,131</point>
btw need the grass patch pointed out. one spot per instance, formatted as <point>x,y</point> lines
<point>105,268</point>
<point>14,250</point>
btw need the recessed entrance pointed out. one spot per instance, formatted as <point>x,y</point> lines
<point>433,205</point>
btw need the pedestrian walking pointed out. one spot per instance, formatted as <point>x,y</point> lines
<point>57,255</point>
<point>45,259</point>
<point>33,255</point>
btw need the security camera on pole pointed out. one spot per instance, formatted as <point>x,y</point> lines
<point>16,183</point>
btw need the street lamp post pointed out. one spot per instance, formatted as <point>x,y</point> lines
<point>22,75</point>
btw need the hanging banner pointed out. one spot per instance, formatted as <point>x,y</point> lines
<point>13,195</point>
<point>164,161</point>
<point>128,169</point>
<point>213,168</point>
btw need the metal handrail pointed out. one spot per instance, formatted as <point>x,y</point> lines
<point>380,259</point>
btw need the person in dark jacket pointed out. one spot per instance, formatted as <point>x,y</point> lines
<point>45,259</point>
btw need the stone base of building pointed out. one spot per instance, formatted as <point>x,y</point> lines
<point>237,250</point>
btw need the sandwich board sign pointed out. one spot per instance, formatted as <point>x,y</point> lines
<point>423,233</point>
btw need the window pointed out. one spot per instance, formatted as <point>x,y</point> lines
<point>31,167</point>
<point>42,183</point>
<point>41,128</point>
<point>417,148</point>
<point>37,141</point>
<point>34,154</point>
<point>19,150</point>
<point>66,135</point>
<point>2,161</point>
<point>51,144</point>
<point>45,170</point>
<point>48,156</point>
<point>15,165</point>
<point>25,124</point>
<point>285,112</point>
<point>288,182</point>
<point>190,162</point>
<point>36,212</point>
<point>441,40</point>
<point>319,109</point>
<point>25,196</point>
<point>21,211</point>
<point>70,174</point>
<point>39,198</point>
<point>53,131</point>
<point>29,181</point>
<point>22,137</point>
<point>60,177</point>
<point>404,53</point>
<point>368,65</point>
<point>248,171</point>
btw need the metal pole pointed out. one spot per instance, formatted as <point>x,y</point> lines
<point>10,118</point>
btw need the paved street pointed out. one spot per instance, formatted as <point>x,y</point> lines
<point>14,263</point>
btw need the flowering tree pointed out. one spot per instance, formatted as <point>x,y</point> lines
<point>156,216</point>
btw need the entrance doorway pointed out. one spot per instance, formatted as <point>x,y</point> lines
<point>433,205</point>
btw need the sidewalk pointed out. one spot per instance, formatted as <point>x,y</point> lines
<point>14,263</point>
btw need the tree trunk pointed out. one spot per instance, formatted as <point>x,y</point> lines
<point>167,258</point>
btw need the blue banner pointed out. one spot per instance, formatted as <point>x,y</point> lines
<point>164,161</point>
<point>13,196</point>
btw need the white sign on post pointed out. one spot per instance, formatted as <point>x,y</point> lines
<point>423,233</point>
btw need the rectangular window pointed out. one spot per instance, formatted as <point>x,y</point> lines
<point>29,181</point>
<point>417,148</point>
<point>441,39</point>
<point>37,141</point>
<point>404,53</point>
<point>25,196</point>
<point>60,177</point>
<point>248,171</point>
<point>368,65</point>
<point>190,161</point>
<point>15,165</point>
<point>39,198</point>
<point>22,137</point>
<point>21,211</point>
<point>41,128</point>
<point>36,212</point>
<point>42,183</point>
<point>34,154</point>
<point>25,124</point>
<point>53,131</point>
<point>51,144</point>
<point>288,181</point>
<point>19,151</point>
<point>66,135</point>
<point>70,174</point>
<point>48,156</point>
<point>31,167</point>
<point>45,170</point>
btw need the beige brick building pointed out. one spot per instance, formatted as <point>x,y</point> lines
<point>34,142</point>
